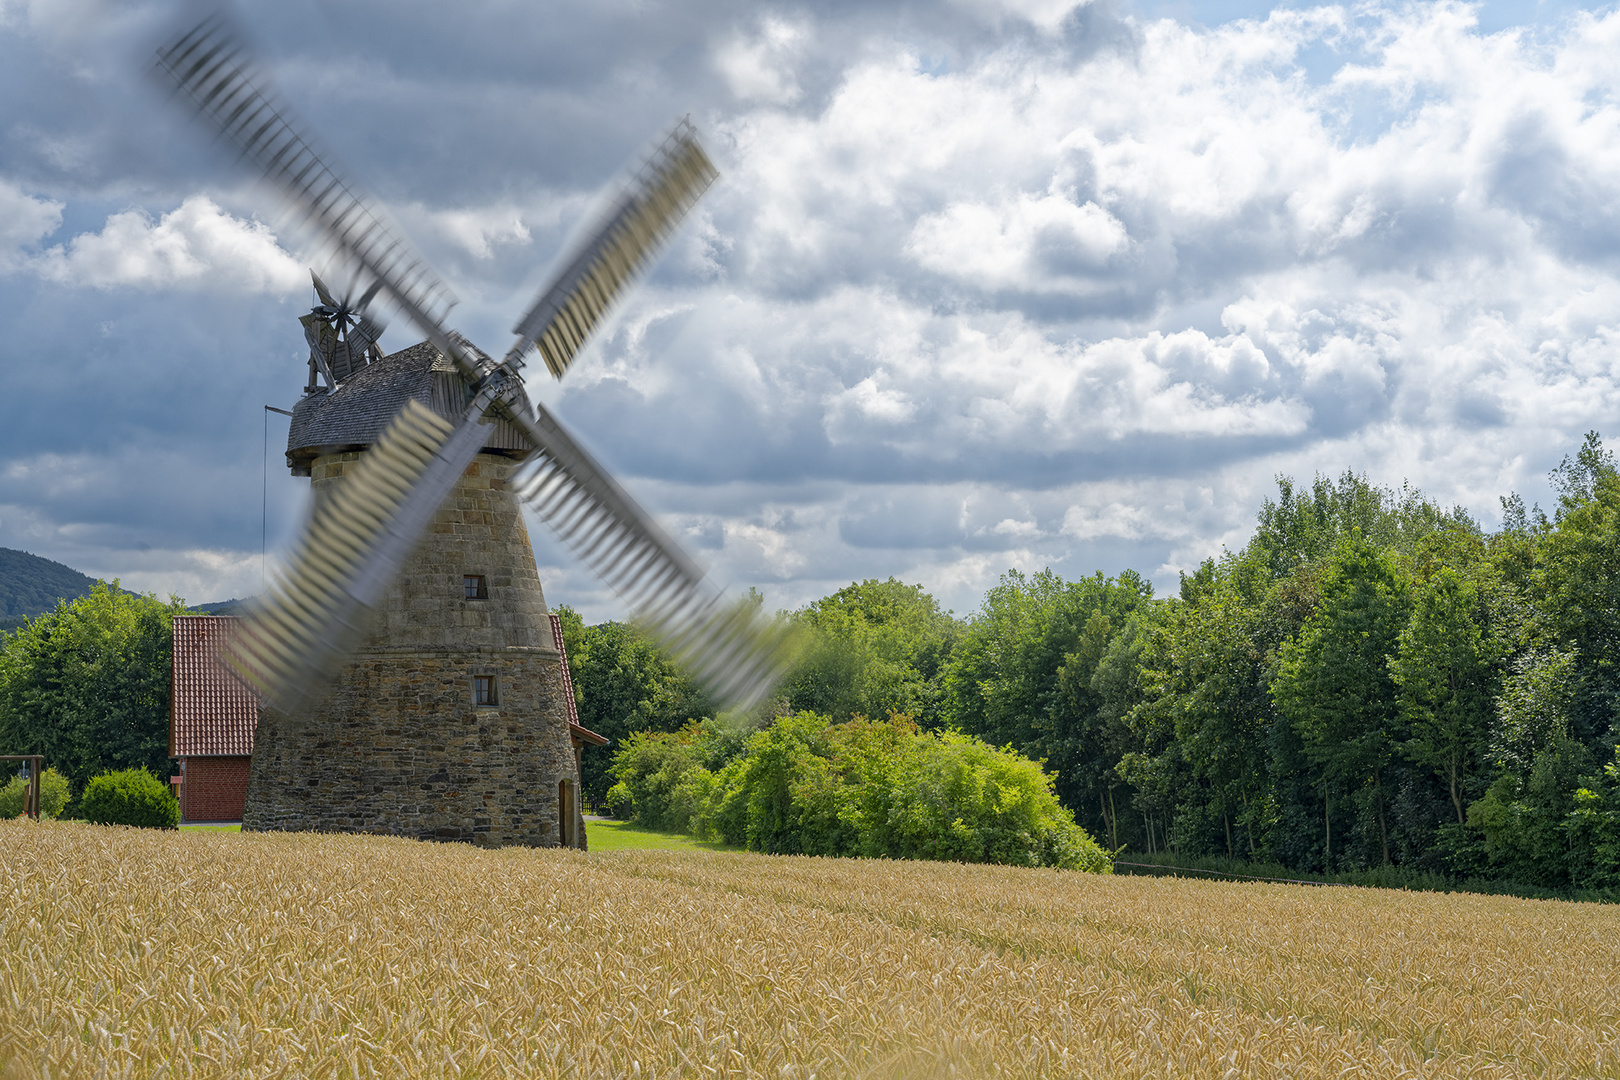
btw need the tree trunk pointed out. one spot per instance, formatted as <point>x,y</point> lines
<point>1113,821</point>
<point>1456,793</point>
<point>1228,819</point>
<point>1327,824</point>
<point>1383,836</point>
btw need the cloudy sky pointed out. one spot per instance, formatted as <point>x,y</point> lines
<point>985,284</point>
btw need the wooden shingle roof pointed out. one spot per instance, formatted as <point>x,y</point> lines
<point>354,415</point>
<point>210,712</point>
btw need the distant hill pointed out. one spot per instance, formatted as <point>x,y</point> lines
<point>222,607</point>
<point>30,585</point>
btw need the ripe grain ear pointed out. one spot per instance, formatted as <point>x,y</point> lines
<point>16,1068</point>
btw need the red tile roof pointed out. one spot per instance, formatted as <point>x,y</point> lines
<point>210,712</point>
<point>568,678</point>
<point>582,733</point>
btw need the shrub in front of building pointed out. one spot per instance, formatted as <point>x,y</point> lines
<point>53,795</point>
<point>130,797</point>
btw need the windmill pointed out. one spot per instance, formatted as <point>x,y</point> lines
<point>346,740</point>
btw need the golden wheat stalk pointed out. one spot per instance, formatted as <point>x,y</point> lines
<point>144,954</point>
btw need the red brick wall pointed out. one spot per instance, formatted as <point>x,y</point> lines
<point>215,788</point>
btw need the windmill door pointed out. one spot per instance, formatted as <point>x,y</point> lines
<point>567,814</point>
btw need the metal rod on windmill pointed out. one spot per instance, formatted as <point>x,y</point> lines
<point>316,610</point>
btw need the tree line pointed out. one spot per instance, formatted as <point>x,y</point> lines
<point>1372,680</point>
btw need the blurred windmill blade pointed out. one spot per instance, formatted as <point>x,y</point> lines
<point>362,307</point>
<point>636,226</point>
<point>215,73</point>
<point>362,532</point>
<point>734,650</point>
<point>317,611</point>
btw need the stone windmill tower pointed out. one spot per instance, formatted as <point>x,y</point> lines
<point>451,719</point>
<point>407,669</point>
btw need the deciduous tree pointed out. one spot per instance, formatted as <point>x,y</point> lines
<point>1333,680</point>
<point>1446,670</point>
<point>87,685</point>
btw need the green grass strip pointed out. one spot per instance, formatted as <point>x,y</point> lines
<point>624,836</point>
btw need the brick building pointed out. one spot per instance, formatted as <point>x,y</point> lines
<point>211,722</point>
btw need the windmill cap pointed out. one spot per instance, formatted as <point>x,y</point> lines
<point>354,416</point>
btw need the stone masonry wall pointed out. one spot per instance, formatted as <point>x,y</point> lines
<point>399,747</point>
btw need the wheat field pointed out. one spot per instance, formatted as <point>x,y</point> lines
<point>144,954</point>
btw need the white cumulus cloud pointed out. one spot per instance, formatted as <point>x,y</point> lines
<point>195,246</point>
<point>1029,243</point>
<point>984,283</point>
<point>759,65</point>
<point>24,220</point>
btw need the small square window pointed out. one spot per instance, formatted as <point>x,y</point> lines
<point>473,586</point>
<point>484,690</point>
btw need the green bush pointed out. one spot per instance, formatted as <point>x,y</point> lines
<point>87,685</point>
<point>663,777</point>
<point>131,797</point>
<point>620,803</point>
<point>1559,826</point>
<point>53,795</point>
<point>804,786</point>
<point>958,798</point>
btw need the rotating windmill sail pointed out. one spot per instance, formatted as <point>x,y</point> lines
<point>317,610</point>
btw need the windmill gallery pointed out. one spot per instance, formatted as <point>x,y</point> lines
<point>407,669</point>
